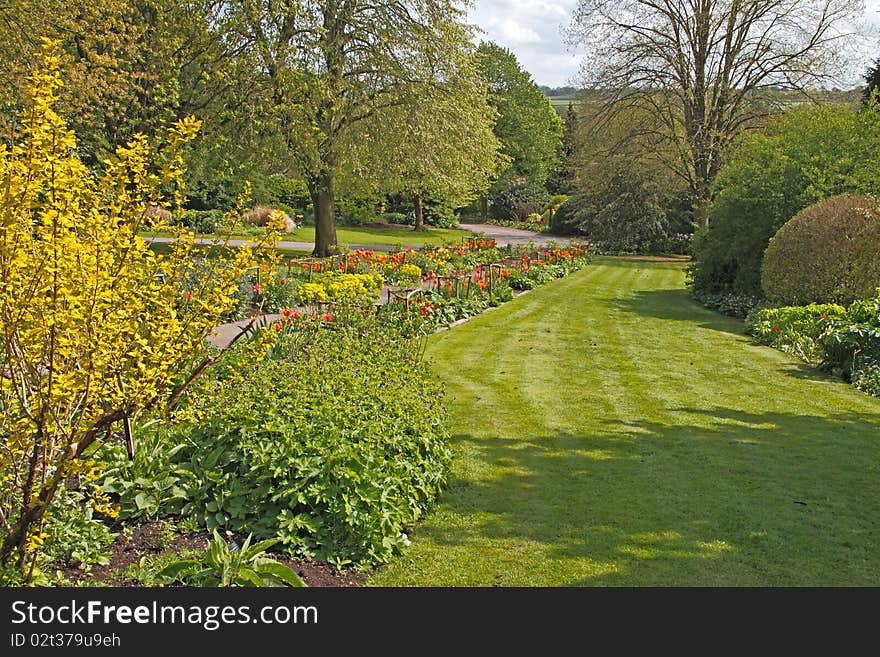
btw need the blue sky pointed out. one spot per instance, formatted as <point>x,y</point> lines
<point>532,30</point>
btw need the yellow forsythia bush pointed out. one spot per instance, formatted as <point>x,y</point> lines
<point>94,326</point>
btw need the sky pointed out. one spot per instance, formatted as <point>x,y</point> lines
<point>532,30</point>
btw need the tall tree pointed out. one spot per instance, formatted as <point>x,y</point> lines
<point>529,128</point>
<point>439,145</point>
<point>116,79</point>
<point>333,64</point>
<point>562,179</point>
<point>697,64</point>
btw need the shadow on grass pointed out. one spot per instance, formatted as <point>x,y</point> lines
<point>677,305</point>
<point>809,372</point>
<point>723,498</point>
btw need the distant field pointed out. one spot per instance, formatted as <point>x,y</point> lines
<point>778,97</point>
<point>560,103</point>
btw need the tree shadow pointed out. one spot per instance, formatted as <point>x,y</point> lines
<point>722,497</point>
<point>808,372</point>
<point>677,305</point>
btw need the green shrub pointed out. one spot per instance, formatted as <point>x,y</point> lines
<point>77,536</point>
<point>213,192</point>
<point>440,216</point>
<point>808,154</point>
<point>201,221</point>
<point>565,220</point>
<point>866,374</point>
<point>533,222</point>
<point>828,253</point>
<point>620,210</point>
<point>731,303</point>
<point>622,215</point>
<point>843,341</point>
<point>335,446</point>
<point>356,211</point>
<point>797,330</point>
<point>400,218</point>
<point>854,339</point>
<point>519,201</point>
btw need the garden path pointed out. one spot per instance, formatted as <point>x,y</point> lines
<point>506,236</point>
<point>501,234</point>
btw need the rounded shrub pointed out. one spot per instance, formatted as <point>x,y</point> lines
<point>565,220</point>
<point>826,254</point>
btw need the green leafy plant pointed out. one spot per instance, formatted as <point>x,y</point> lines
<point>152,484</point>
<point>334,445</point>
<point>843,341</point>
<point>200,221</point>
<point>224,566</point>
<point>78,537</point>
<point>853,339</point>
<point>797,330</point>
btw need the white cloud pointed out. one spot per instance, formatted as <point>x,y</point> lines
<point>513,32</point>
<point>532,30</point>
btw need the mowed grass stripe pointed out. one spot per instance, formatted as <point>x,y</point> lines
<point>609,431</point>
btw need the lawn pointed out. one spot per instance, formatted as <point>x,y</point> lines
<point>364,235</point>
<point>165,248</point>
<point>398,235</point>
<point>609,431</point>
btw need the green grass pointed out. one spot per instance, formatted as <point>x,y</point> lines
<point>402,235</point>
<point>346,236</point>
<point>609,431</point>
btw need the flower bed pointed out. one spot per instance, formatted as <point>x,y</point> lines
<point>844,341</point>
<point>325,430</point>
<point>438,285</point>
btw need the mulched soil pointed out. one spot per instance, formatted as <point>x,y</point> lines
<point>150,539</point>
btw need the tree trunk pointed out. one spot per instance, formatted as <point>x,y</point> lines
<point>322,189</point>
<point>701,199</point>
<point>484,208</point>
<point>420,217</point>
<point>701,213</point>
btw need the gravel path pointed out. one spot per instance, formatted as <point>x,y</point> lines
<point>501,234</point>
<point>298,246</point>
<point>505,236</point>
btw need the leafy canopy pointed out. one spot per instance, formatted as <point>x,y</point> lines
<point>528,126</point>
